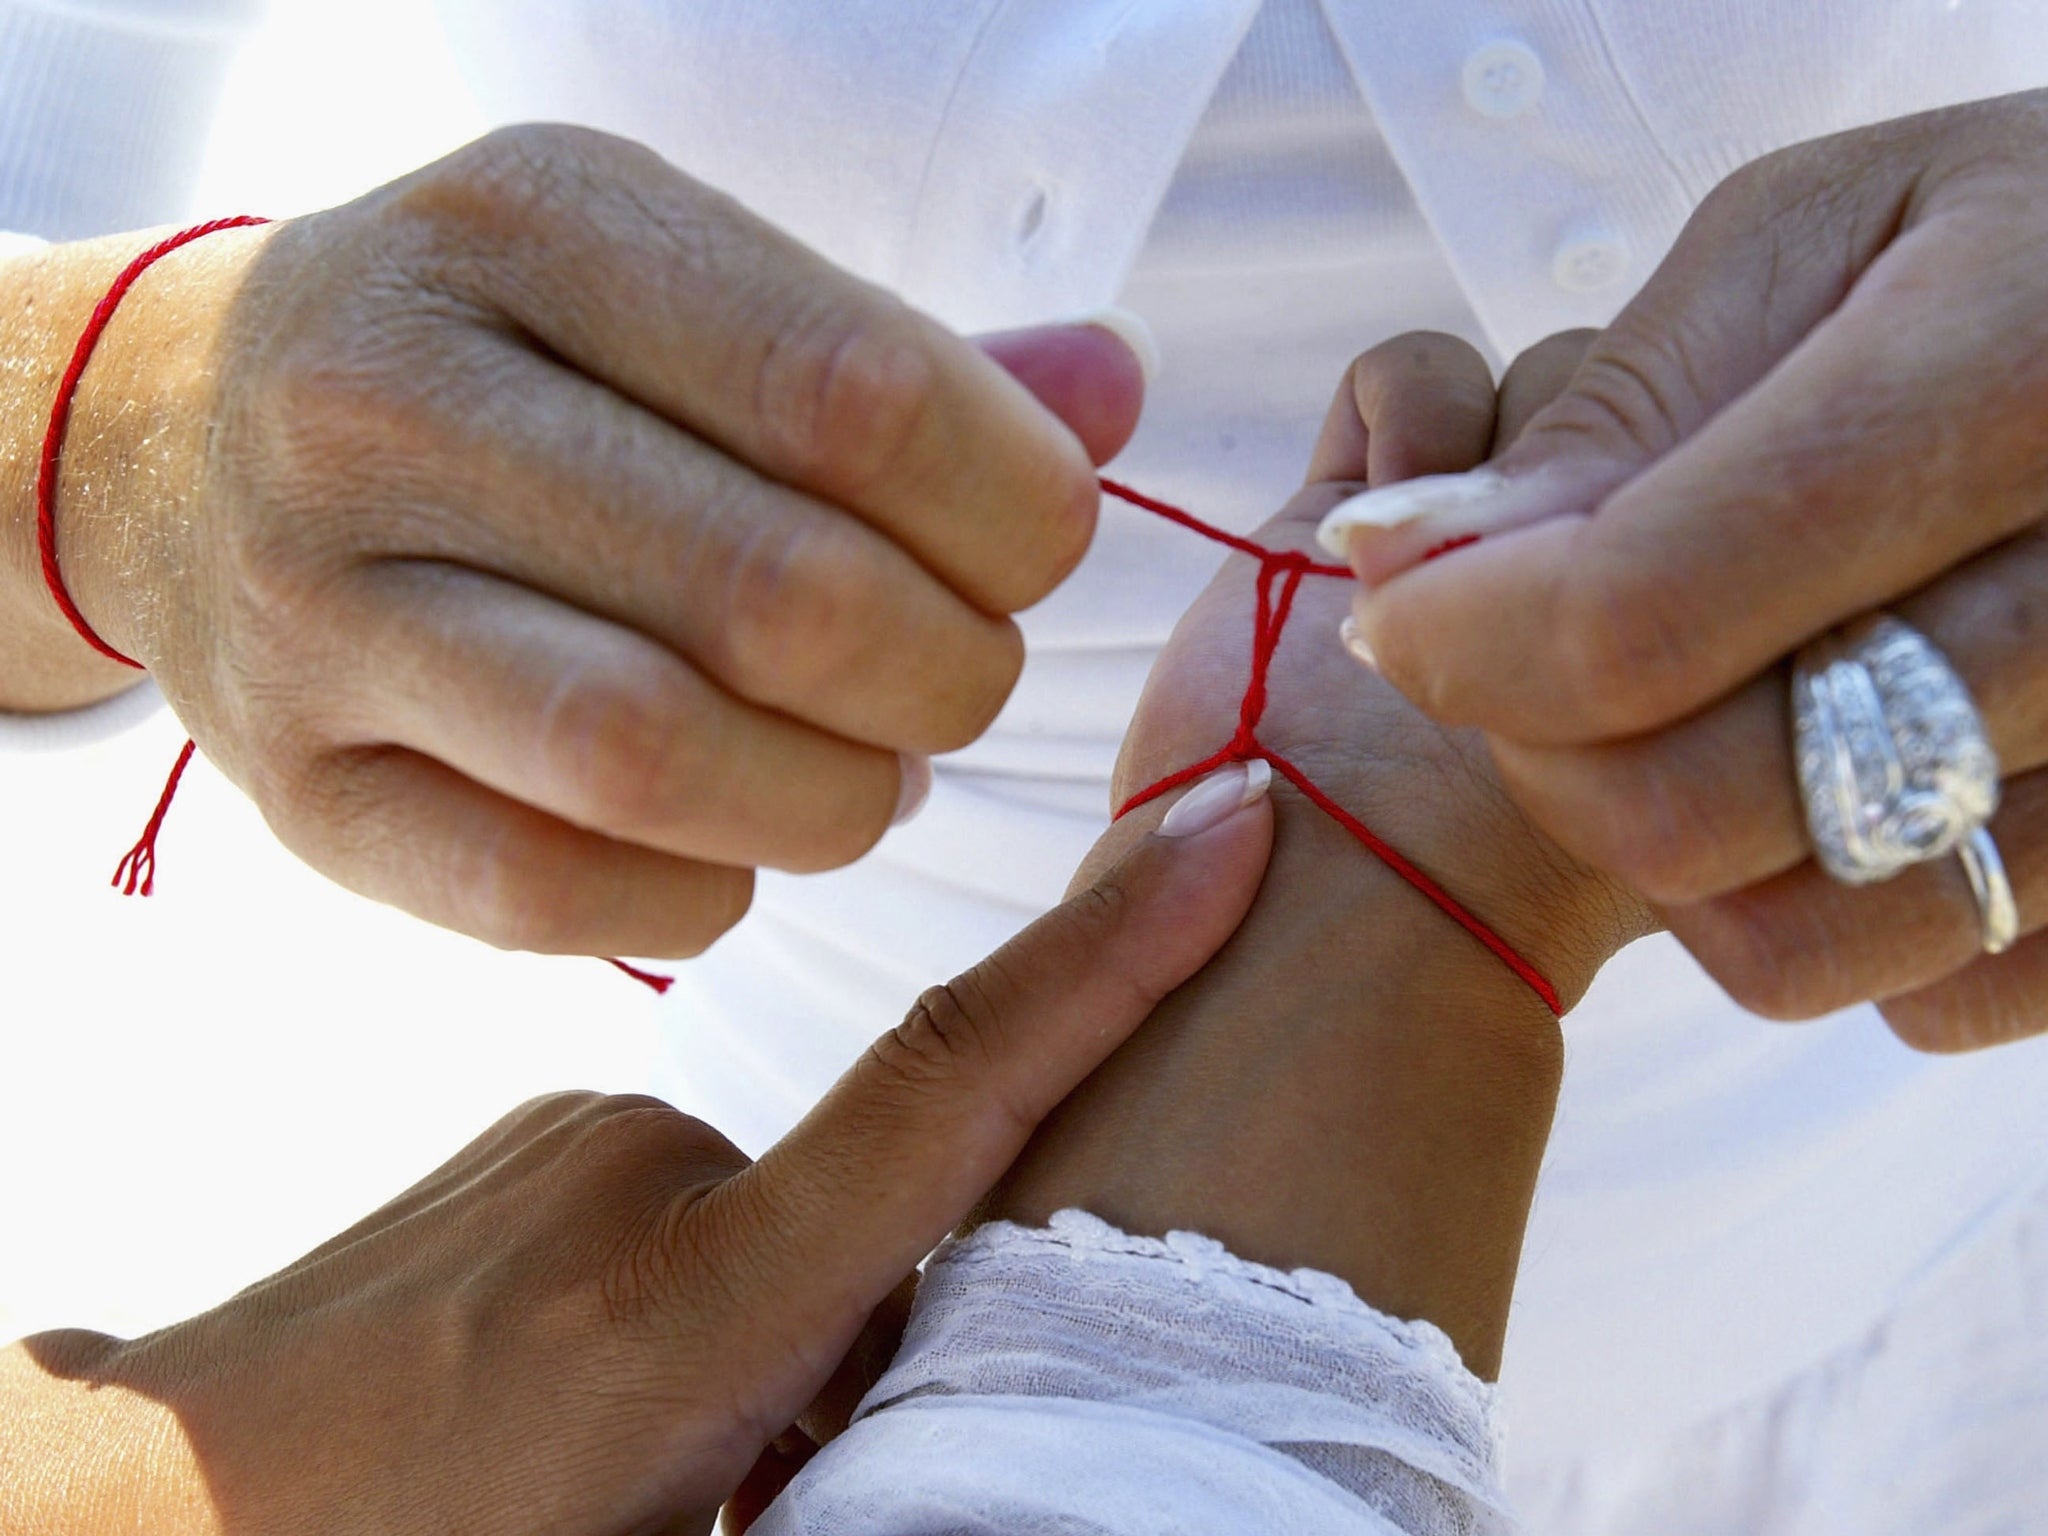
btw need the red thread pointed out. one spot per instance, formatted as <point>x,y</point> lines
<point>136,873</point>
<point>1270,614</point>
<point>60,419</point>
<point>1457,541</point>
<point>660,984</point>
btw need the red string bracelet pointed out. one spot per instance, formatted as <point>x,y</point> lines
<point>1280,576</point>
<point>136,873</point>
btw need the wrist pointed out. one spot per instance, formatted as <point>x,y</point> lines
<point>1355,1083</point>
<point>131,453</point>
<point>85,1453</point>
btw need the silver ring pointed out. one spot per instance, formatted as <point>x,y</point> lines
<point>1894,766</point>
<point>1997,912</point>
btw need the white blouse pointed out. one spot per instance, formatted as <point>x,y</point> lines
<point>1725,1203</point>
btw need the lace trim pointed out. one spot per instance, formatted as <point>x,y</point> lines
<point>1204,1261</point>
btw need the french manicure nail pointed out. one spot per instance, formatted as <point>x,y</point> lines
<point>1217,798</point>
<point>1128,327</point>
<point>914,787</point>
<point>1354,642</point>
<point>1394,506</point>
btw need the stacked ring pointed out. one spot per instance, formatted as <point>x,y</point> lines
<point>1894,766</point>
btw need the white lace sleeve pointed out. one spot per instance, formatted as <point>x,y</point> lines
<point>1075,1380</point>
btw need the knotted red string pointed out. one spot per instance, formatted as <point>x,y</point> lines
<point>1280,577</point>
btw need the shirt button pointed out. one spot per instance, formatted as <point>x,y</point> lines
<point>1503,80</point>
<point>1589,264</point>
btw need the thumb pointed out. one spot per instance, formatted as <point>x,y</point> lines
<point>833,1217</point>
<point>1091,374</point>
<point>1765,259</point>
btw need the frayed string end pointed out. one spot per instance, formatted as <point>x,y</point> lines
<point>135,875</point>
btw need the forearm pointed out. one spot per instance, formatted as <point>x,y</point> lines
<point>82,1457</point>
<point>131,456</point>
<point>1353,1084</point>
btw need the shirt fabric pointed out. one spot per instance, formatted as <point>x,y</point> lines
<point>1729,1211</point>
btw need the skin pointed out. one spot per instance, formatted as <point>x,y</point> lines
<point>542,541</point>
<point>1352,1083</point>
<point>1828,399</point>
<point>597,1316</point>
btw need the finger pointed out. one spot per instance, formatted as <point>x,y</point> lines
<point>1762,261</point>
<point>897,1154</point>
<point>782,599</point>
<point>404,829</point>
<point>1992,1001</point>
<point>1801,944</point>
<point>1536,378</point>
<point>600,727</point>
<point>682,300</point>
<point>1711,804</point>
<point>1418,404</point>
<point>774,1470</point>
<point>1897,439</point>
<point>1092,375</point>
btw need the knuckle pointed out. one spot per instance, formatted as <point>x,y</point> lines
<point>842,395</point>
<point>636,1129</point>
<point>1927,1024</point>
<point>1620,401</point>
<point>625,746</point>
<point>1660,837</point>
<point>719,896</point>
<point>949,1030</point>
<point>1624,644</point>
<point>1402,360</point>
<point>1062,530</point>
<point>510,904</point>
<point>799,609</point>
<point>994,660</point>
<point>1767,957</point>
<point>511,173</point>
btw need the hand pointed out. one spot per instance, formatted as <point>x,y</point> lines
<point>1417,405</point>
<point>597,1316</point>
<point>1354,1083</point>
<point>1827,400</point>
<point>544,542</point>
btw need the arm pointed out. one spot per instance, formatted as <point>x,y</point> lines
<point>318,477</point>
<point>139,422</point>
<point>594,1317</point>
<point>1353,1085</point>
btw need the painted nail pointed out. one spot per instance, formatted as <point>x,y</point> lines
<point>1128,327</point>
<point>914,787</point>
<point>1354,642</point>
<point>1217,798</point>
<point>1397,505</point>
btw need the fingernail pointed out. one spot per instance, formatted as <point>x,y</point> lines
<point>1128,327</point>
<point>1354,642</point>
<point>1397,505</point>
<point>1217,798</point>
<point>914,787</point>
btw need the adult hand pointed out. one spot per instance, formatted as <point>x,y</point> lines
<point>598,1315</point>
<point>1829,399</point>
<point>544,542</point>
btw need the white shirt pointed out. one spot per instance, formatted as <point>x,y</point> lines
<point>1725,1203</point>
